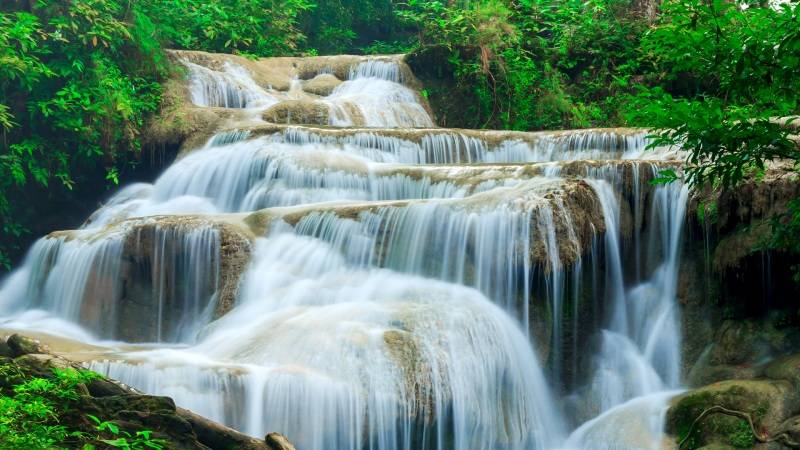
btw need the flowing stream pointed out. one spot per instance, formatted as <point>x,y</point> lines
<point>379,283</point>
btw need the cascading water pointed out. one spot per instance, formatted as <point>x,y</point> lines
<point>397,295</point>
<point>372,96</point>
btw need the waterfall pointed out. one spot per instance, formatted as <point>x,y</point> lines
<point>374,94</point>
<point>382,285</point>
<point>231,87</point>
<point>376,68</point>
<point>354,349</point>
<point>638,366</point>
<point>80,276</point>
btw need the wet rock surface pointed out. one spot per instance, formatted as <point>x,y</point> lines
<point>742,349</point>
<point>737,295</point>
<point>322,84</point>
<point>298,112</point>
<point>142,251</point>
<point>144,272</point>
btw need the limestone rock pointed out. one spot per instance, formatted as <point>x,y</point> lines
<point>44,361</point>
<point>405,352</point>
<point>298,112</point>
<point>140,300</point>
<point>703,373</point>
<point>147,277</point>
<point>739,214</point>
<point>322,85</point>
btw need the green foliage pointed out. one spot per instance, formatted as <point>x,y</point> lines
<point>534,64</point>
<point>723,71</point>
<point>707,213</point>
<point>352,26</point>
<point>721,74</point>
<point>710,76</point>
<point>725,142</point>
<point>744,54</point>
<point>250,27</point>
<point>30,407</point>
<point>77,81</point>
<point>124,440</point>
<point>385,48</point>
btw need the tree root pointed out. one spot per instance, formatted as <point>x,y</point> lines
<point>782,437</point>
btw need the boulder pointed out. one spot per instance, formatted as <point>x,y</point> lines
<point>22,345</point>
<point>304,112</point>
<point>785,368</point>
<point>767,402</point>
<point>322,84</point>
<point>739,350</point>
<point>125,303</point>
<point>44,361</point>
<point>216,435</point>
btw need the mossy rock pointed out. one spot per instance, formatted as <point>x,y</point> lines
<point>704,373</point>
<point>150,403</point>
<point>768,402</point>
<point>791,429</point>
<point>5,350</point>
<point>22,345</point>
<point>738,351</point>
<point>785,368</point>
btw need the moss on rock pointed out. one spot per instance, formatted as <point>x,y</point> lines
<point>768,402</point>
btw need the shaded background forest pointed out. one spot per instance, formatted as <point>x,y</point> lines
<point>80,80</point>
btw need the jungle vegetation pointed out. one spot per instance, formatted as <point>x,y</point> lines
<point>80,79</point>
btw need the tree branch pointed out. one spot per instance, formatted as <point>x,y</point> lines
<point>783,436</point>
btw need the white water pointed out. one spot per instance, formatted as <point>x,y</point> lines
<point>399,308</point>
<point>374,90</point>
<point>372,96</point>
<point>232,87</point>
<point>310,335</point>
<point>79,277</point>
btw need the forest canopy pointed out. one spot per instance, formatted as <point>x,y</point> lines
<point>80,79</point>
